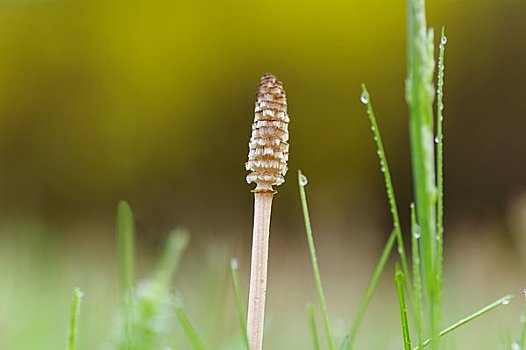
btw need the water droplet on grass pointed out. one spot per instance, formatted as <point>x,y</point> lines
<point>506,302</point>
<point>303,180</point>
<point>444,40</point>
<point>364,98</point>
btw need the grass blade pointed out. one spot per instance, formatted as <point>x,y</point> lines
<point>126,252</point>
<point>399,279</point>
<point>365,98</point>
<point>417,276</point>
<point>521,342</point>
<point>311,314</point>
<point>420,95</point>
<point>440,161</point>
<point>75,313</point>
<point>187,327</point>
<point>171,257</point>
<point>240,307</point>
<point>500,302</point>
<point>126,240</point>
<point>302,181</point>
<point>370,289</point>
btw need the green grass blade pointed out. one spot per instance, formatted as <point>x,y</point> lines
<point>502,301</point>
<point>75,313</point>
<point>240,307</point>
<point>126,253</point>
<point>171,257</point>
<point>302,181</point>
<point>370,290</point>
<point>365,98</point>
<point>126,238</point>
<point>311,314</point>
<point>522,337</point>
<point>187,327</point>
<point>417,279</point>
<point>420,95</point>
<point>399,278</point>
<point>440,161</point>
<point>344,345</point>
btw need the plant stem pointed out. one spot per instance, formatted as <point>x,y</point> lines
<point>258,270</point>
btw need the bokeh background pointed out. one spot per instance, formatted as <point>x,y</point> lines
<point>152,102</point>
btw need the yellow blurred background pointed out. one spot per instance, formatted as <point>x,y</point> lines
<point>152,102</point>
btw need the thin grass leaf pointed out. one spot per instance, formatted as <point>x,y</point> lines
<point>174,249</point>
<point>500,302</point>
<point>240,307</point>
<point>302,181</point>
<point>75,313</point>
<point>311,314</point>
<point>370,289</point>
<point>399,279</point>
<point>440,161</point>
<point>417,278</point>
<point>126,240</point>
<point>190,332</point>
<point>126,253</point>
<point>344,345</point>
<point>365,98</point>
<point>521,342</point>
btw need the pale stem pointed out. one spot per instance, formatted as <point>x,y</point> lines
<point>258,270</point>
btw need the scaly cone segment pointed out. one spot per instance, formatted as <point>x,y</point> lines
<point>268,146</point>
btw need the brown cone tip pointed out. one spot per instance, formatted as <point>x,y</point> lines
<point>268,146</point>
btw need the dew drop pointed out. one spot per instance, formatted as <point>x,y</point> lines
<point>382,169</point>
<point>437,139</point>
<point>443,41</point>
<point>515,346</point>
<point>417,234</point>
<point>506,302</point>
<point>364,98</point>
<point>303,180</point>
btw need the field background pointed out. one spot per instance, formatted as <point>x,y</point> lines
<point>152,101</point>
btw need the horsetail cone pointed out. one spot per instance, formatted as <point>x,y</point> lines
<point>268,146</point>
<point>267,163</point>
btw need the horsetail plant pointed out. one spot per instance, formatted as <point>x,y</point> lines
<point>267,163</point>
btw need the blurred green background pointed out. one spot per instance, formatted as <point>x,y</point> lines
<point>152,102</point>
